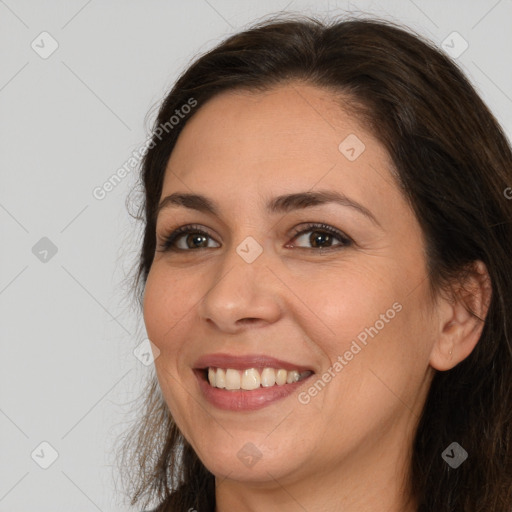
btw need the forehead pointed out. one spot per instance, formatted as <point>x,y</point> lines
<point>290,138</point>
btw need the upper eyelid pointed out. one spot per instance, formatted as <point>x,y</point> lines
<point>304,226</point>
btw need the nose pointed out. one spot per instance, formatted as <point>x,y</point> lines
<point>242,294</point>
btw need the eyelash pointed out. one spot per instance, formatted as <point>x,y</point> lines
<point>169,240</point>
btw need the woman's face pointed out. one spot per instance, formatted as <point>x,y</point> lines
<point>344,306</point>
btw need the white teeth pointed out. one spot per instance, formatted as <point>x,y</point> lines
<point>232,379</point>
<point>281,377</point>
<point>212,374</point>
<point>292,376</point>
<point>251,378</point>
<point>268,377</point>
<point>220,378</point>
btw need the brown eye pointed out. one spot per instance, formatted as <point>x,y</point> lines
<point>322,237</point>
<point>195,240</point>
<point>187,238</point>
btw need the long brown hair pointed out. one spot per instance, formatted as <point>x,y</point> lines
<point>453,163</point>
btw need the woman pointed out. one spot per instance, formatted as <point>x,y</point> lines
<point>325,276</point>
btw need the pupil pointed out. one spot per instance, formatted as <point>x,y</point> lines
<point>318,238</point>
<point>197,239</point>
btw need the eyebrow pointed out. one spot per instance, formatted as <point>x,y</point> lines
<point>280,204</point>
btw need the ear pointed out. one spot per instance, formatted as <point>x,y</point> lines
<point>461,318</point>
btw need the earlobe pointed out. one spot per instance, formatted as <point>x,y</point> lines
<point>461,318</point>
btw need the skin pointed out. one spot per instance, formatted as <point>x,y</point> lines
<point>349,447</point>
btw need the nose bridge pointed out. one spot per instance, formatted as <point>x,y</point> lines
<point>243,288</point>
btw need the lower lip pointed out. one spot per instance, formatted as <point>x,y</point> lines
<point>239,400</point>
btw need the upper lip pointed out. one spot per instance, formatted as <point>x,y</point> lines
<point>247,361</point>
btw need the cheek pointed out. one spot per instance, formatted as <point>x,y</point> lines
<point>168,300</point>
<point>355,304</point>
<point>167,308</point>
<point>374,324</point>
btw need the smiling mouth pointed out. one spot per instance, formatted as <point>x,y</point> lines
<point>252,378</point>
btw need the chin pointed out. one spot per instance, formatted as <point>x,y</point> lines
<point>245,461</point>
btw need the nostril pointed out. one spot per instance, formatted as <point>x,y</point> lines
<point>249,320</point>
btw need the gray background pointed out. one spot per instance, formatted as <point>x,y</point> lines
<point>68,122</point>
